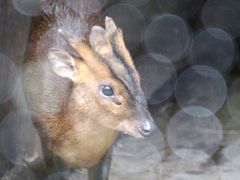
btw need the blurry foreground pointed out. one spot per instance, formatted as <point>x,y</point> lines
<point>187,53</point>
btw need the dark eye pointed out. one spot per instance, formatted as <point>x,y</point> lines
<point>107,90</point>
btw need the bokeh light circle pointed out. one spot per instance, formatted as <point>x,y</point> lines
<point>231,153</point>
<point>7,78</point>
<point>184,8</point>
<point>19,140</point>
<point>201,86</point>
<point>28,7</point>
<point>213,47</point>
<point>229,161</point>
<point>168,35</point>
<point>87,6</point>
<point>233,100</point>
<point>141,165</point>
<point>223,14</point>
<point>119,174</point>
<point>19,173</point>
<point>136,2</point>
<point>68,175</point>
<point>194,138</point>
<point>181,169</point>
<point>129,152</point>
<point>158,77</point>
<point>130,20</point>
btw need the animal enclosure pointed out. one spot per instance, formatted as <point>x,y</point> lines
<point>186,55</point>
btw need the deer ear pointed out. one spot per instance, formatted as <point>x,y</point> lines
<point>97,38</point>
<point>62,63</point>
<point>99,41</point>
<point>110,26</point>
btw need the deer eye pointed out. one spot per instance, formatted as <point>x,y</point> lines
<point>106,90</point>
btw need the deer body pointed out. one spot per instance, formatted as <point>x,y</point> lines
<point>83,94</point>
<point>65,125</point>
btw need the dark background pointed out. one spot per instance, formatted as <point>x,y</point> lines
<point>187,53</point>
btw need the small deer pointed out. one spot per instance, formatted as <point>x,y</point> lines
<point>83,98</point>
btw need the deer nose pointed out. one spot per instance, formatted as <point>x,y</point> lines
<point>146,128</point>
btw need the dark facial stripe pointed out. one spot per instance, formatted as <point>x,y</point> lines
<point>130,74</point>
<point>115,76</point>
<point>127,77</point>
<point>129,80</point>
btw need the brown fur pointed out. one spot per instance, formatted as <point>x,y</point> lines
<point>78,122</point>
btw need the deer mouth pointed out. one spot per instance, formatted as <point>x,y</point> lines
<point>134,134</point>
<point>138,129</point>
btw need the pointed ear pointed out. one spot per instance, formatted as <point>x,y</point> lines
<point>110,26</point>
<point>62,63</point>
<point>99,42</point>
<point>116,38</point>
<point>89,56</point>
<point>97,37</point>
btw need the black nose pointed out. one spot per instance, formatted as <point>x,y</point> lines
<point>146,128</point>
